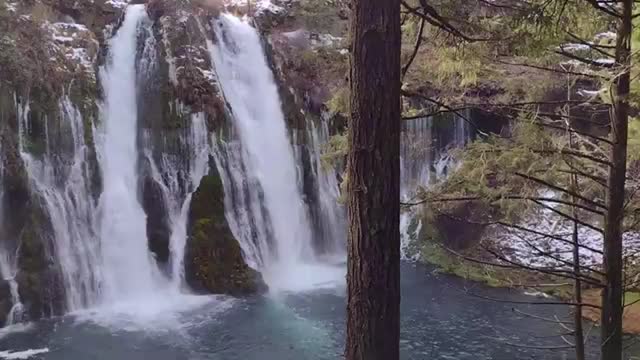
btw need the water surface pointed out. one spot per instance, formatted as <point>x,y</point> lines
<point>440,321</point>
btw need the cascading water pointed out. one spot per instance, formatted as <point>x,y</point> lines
<point>329,216</point>
<point>128,269</point>
<point>178,182</point>
<point>424,158</point>
<point>262,156</point>
<point>9,270</point>
<point>63,187</point>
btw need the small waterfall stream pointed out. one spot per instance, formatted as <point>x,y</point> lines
<point>178,182</point>
<point>329,215</point>
<point>8,265</point>
<point>8,272</point>
<point>424,159</point>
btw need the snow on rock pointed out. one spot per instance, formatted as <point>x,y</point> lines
<point>76,43</point>
<point>325,40</point>
<point>11,6</point>
<point>119,4</point>
<point>606,36</point>
<point>588,93</point>
<point>531,249</point>
<point>605,61</point>
<point>574,47</point>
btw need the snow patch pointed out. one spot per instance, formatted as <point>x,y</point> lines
<point>119,4</point>
<point>11,7</point>
<point>574,47</point>
<point>21,355</point>
<point>605,61</point>
<point>533,250</point>
<point>325,40</point>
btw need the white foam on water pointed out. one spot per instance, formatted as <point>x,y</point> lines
<point>167,313</point>
<point>21,355</point>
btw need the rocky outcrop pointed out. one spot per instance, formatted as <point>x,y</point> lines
<point>461,226</point>
<point>176,81</point>
<point>214,261</point>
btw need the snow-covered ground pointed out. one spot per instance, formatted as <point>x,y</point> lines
<point>534,249</point>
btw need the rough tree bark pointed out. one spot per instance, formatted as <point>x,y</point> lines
<point>373,279</point>
<point>612,307</point>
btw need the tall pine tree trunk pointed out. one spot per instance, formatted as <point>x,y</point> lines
<point>612,294</point>
<point>373,279</point>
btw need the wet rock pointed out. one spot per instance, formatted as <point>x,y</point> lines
<point>5,301</point>
<point>158,231</point>
<point>39,282</point>
<point>214,261</point>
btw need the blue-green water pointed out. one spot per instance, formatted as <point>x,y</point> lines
<point>440,320</point>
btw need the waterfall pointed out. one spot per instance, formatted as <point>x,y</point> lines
<point>178,182</point>
<point>424,158</point>
<point>60,180</point>
<point>329,215</point>
<point>9,270</point>
<point>128,270</point>
<point>264,204</point>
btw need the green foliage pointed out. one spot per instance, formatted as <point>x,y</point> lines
<point>496,169</point>
<point>545,26</point>
<point>339,102</point>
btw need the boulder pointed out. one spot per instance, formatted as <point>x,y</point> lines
<point>213,258</point>
<point>460,226</point>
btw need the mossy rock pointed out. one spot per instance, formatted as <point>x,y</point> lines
<point>214,261</point>
<point>459,226</point>
<point>39,282</point>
